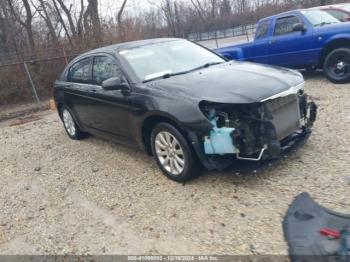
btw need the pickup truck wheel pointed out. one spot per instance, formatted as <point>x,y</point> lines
<point>173,153</point>
<point>337,66</point>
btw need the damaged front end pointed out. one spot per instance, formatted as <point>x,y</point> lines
<point>257,131</point>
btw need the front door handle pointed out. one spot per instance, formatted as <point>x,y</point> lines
<point>272,42</point>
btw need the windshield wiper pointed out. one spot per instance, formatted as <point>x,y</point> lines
<point>168,75</point>
<point>324,23</point>
<point>205,66</point>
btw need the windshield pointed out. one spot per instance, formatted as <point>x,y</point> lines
<point>319,18</point>
<point>167,58</point>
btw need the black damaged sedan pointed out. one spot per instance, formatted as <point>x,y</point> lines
<point>183,104</point>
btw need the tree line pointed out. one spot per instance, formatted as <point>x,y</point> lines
<point>43,30</point>
<point>27,26</point>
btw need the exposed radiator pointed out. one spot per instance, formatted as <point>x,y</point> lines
<point>285,112</point>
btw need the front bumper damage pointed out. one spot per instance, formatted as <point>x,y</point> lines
<point>257,132</point>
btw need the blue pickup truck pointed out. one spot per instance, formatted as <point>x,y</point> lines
<point>301,39</point>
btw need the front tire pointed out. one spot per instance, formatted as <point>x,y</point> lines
<point>70,125</point>
<point>173,154</point>
<point>337,66</point>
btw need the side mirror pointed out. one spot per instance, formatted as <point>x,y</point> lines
<point>299,27</point>
<point>114,83</point>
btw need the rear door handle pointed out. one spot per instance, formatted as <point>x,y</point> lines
<point>272,42</point>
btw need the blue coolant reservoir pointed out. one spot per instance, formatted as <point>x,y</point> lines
<point>220,141</point>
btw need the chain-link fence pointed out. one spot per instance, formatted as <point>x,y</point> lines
<point>220,38</point>
<point>229,32</point>
<point>29,81</point>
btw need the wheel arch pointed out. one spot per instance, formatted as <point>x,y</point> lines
<point>59,108</point>
<point>151,121</point>
<point>332,45</point>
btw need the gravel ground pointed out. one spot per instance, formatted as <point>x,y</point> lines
<point>60,196</point>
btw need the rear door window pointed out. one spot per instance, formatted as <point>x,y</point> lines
<point>285,25</point>
<point>80,72</point>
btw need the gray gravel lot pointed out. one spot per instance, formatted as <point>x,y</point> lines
<point>93,196</point>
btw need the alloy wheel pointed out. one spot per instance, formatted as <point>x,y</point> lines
<point>337,66</point>
<point>169,153</point>
<point>340,66</point>
<point>69,122</point>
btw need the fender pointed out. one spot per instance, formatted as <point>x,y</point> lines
<point>331,43</point>
<point>157,113</point>
<point>337,37</point>
<point>141,139</point>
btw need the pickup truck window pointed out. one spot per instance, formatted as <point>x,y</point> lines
<point>319,18</point>
<point>285,25</point>
<point>263,30</point>
<point>340,15</point>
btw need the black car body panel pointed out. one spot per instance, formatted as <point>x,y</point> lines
<point>185,100</point>
<point>240,83</point>
<point>303,225</point>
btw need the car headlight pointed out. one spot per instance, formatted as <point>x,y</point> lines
<point>298,89</point>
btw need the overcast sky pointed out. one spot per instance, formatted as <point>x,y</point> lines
<point>111,7</point>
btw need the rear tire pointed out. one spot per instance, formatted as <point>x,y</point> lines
<point>337,66</point>
<point>70,125</point>
<point>173,154</point>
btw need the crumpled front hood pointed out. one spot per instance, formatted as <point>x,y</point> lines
<point>231,82</point>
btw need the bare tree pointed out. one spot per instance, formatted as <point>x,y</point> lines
<point>80,19</point>
<point>63,23</point>
<point>68,14</point>
<point>119,18</point>
<point>199,8</point>
<point>3,34</point>
<point>26,23</point>
<point>92,20</point>
<point>44,13</point>
<point>225,8</point>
